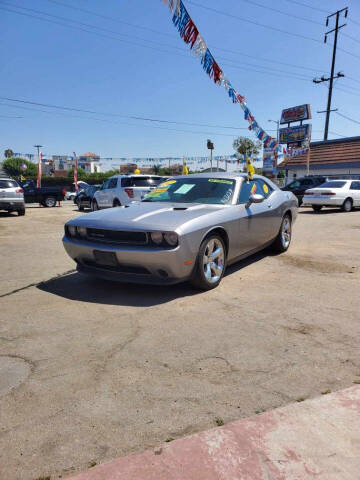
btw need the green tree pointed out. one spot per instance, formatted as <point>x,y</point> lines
<point>11,167</point>
<point>81,173</point>
<point>156,169</point>
<point>8,153</point>
<point>244,145</point>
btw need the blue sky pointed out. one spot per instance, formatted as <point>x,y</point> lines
<point>149,72</point>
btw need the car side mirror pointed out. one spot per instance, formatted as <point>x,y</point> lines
<point>255,199</point>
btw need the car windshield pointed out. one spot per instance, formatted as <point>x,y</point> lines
<point>194,190</point>
<point>333,184</point>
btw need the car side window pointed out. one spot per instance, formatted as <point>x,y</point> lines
<point>295,184</point>
<point>126,182</point>
<point>355,186</point>
<point>258,187</point>
<point>307,181</point>
<point>112,183</point>
<point>106,184</point>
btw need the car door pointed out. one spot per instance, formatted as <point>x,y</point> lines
<point>256,220</point>
<point>111,191</point>
<point>355,192</point>
<point>101,196</point>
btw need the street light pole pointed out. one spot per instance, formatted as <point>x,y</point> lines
<point>277,128</point>
<point>38,149</point>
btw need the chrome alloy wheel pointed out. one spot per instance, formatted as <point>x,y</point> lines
<point>286,232</point>
<point>213,261</point>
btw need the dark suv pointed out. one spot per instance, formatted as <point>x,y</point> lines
<point>300,185</point>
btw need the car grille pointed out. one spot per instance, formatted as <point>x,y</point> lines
<point>119,268</point>
<point>117,236</point>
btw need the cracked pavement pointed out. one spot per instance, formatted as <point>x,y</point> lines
<point>114,369</point>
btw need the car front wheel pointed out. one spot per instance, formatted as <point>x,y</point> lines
<point>283,239</point>
<point>210,263</point>
<point>50,202</point>
<point>94,206</point>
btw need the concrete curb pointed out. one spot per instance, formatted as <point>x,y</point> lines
<point>316,439</point>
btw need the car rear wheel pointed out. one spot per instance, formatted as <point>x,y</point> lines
<point>283,239</point>
<point>94,206</point>
<point>210,263</point>
<point>50,202</point>
<point>116,203</point>
<point>80,207</point>
<point>347,205</point>
<point>316,208</point>
<point>21,212</point>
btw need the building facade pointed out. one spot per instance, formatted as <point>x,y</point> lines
<point>330,157</point>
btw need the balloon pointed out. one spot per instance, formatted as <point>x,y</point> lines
<point>23,167</point>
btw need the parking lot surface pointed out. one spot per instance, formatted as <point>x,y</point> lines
<point>91,370</point>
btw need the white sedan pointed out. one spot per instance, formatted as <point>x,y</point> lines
<point>334,193</point>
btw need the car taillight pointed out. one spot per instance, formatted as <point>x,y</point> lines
<point>19,190</point>
<point>63,191</point>
<point>130,192</point>
<point>328,193</point>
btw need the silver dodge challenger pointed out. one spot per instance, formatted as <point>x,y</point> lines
<point>188,228</point>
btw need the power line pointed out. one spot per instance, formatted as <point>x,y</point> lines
<point>308,6</point>
<point>338,134</point>
<point>74,109</point>
<point>348,118</point>
<point>132,36</point>
<point>252,2</point>
<point>242,19</point>
<point>265,72</point>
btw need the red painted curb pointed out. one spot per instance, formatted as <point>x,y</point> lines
<point>316,439</point>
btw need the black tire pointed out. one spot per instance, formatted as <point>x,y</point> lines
<point>316,208</point>
<point>116,203</point>
<point>21,212</point>
<point>80,207</point>
<point>347,205</point>
<point>199,279</point>
<point>49,202</point>
<point>280,245</point>
<point>94,206</point>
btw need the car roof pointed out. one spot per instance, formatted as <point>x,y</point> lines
<point>136,175</point>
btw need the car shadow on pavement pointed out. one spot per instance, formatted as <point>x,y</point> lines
<point>93,290</point>
<point>75,286</point>
<point>322,212</point>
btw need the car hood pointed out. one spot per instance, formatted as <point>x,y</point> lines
<point>146,216</point>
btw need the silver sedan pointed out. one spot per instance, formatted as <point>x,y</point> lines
<point>189,228</point>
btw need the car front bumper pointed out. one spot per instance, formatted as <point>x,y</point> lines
<point>12,205</point>
<point>323,200</point>
<point>140,264</point>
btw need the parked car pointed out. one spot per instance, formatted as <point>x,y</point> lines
<point>189,228</point>
<point>334,193</point>
<point>11,196</point>
<point>299,186</point>
<point>120,190</point>
<point>46,196</point>
<point>70,195</point>
<point>85,197</point>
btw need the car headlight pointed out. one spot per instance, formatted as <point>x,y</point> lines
<point>157,237</point>
<point>171,238</point>
<point>72,230</point>
<point>81,231</point>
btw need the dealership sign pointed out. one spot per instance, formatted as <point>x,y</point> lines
<point>269,164</point>
<point>296,114</point>
<point>296,134</point>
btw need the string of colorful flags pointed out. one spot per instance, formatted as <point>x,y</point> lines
<point>191,36</point>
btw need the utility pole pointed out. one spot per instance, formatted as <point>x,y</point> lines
<point>277,128</point>
<point>38,149</point>
<point>339,74</point>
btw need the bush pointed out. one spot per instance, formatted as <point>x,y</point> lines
<point>11,167</point>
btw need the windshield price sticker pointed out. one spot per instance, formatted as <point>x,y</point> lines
<point>220,180</point>
<point>169,182</point>
<point>185,188</point>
